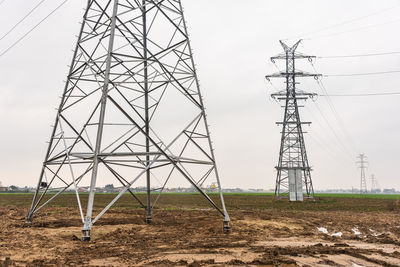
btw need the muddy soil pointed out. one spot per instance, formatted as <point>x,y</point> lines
<point>194,237</point>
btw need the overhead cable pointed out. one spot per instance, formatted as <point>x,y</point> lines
<point>326,131</point>
<point>356,29</point>
<point>334,111</point>
<point>362,74</point>
<point>32,29</point>
<point>371,94</point>
<point>337,157</point>
<point>346,22</point>
<point>362,55</point>
<point>21,20</point>
<point>345,148</point>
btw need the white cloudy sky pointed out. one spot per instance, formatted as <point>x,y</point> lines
<point>232,41</point>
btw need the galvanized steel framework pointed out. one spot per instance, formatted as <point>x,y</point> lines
<point>292,153</point>
<point>129,55</point>
<point>374,184</point>
<point>362,165</point>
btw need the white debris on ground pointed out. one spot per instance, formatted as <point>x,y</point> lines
<point>374,233</point>
<point>323,230</point>
<point>357,265</point>
<point>356,231</point>
<point>338,234</point>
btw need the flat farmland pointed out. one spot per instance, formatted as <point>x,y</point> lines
<point>336,230</point>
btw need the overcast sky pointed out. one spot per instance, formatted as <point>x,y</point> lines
<point>232,42</point>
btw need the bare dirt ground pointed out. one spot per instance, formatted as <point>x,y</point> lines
<point>262,234</point>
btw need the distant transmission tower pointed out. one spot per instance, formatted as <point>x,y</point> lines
<point>374,184</point>
<point>362,165</point>
<point>131,110</point>
<point>293,170</point>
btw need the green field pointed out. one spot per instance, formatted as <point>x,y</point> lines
<point>377,196</point>
<point>329,195</point>
<point>234,201</point>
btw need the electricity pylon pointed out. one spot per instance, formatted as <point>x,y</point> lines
<point>293,170</point>
<point>374,184</point>
<point>131,110</point>
<point>362,165</point>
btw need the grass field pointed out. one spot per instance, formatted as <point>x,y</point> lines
<point>377,196</point>
<point>250,201</point>
<point>339,195</point>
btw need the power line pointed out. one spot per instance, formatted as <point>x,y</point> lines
<point>336,155</point>
<point>312,131</point>
<point>371,94</point>
<point>363,74</point>
<point>337,116</point>
<point>332,130</point>
<point>346,22</point>
<point>314,138</point>
<point>345,149</point>
<point>321,145</point>
<point>273,86</point>
<point>32,29</point>
<point>356,29</point>
<point>334,111</point>
<point>20,21</point>
<point>362,55</point>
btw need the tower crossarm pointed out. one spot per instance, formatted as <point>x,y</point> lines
<point>293,122</point>
<point>294,56</point>
<point>297,73</point>
<point>294,168</point>
<point>301,96</point>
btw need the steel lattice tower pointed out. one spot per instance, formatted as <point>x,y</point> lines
<point>362,165</point>
<point>132,59</point>
<point>374,184</point>
<point>293,170</point>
